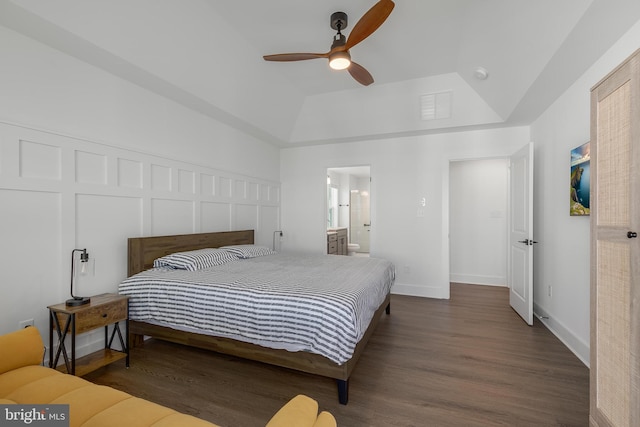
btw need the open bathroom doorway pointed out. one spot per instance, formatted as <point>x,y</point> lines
<point>349,206</point>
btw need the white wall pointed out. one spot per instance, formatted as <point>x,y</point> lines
<point>408,168</point>
<point>478,194</point>
<point>370,114</point>
<point>88,160</point>
<point>44,88</point>
<point>562,256</point>
<point>171,48</point>
<point>402,172</point>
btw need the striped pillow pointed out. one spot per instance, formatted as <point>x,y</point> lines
<point>195,260</point>
<point>248,251</point>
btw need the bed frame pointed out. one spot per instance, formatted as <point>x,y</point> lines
<point>142,252</point>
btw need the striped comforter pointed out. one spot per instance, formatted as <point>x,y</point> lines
<point>321,304</point>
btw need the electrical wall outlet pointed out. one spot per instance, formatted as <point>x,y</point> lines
<point>24,323</point>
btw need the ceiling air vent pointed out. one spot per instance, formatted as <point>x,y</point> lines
<point>435,106</point>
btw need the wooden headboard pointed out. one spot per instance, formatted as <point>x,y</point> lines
<point>144,250</point>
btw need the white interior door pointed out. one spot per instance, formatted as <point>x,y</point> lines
<point>520,269</point>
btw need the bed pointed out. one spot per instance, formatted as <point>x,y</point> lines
<point>334,359</point>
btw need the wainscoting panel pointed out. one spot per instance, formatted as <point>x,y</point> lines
<point>270,194</point>
<point>91,168</point>
<point>215,216</point>
<point>225,187</point>
<point>160,178</point>
<point>246,217</point>
<point>241,189</point>
<point>186,182</point>
<point>39,160</point>
<point>207,185</point>
<point>252,192</point>
<point>268,215</point>
<point>172,217</point>
<point>60,192</point>
<point>103,225</point>
<point>34,270</point>
<point>129,173</point>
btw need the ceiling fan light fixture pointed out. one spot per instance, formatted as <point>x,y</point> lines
<point>340,60</point>
<point>339,57</point>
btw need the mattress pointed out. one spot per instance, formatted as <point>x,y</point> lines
<point>321,304</point>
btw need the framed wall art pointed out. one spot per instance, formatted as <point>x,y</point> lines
<point>579,196</point>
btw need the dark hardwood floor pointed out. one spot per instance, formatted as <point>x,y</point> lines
<point>468,361</point>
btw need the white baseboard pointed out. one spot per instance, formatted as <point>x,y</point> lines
<point>568,338</point>
<point>472,279</point>
<point>420,291</point>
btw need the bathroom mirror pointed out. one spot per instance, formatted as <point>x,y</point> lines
<point>333,212</point>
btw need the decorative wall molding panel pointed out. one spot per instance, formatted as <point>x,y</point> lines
<point>58,193</point>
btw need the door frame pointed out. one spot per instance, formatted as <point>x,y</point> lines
<point>371,197</point>
<point>446,264</point>
<point>446,214</point>
<point>501,164</point>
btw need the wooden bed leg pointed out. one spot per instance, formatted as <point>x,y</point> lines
<point>343,391</point>
<point>388,309</point>
<point>136,340</point>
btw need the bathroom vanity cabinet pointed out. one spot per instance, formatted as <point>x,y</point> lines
<point>337,241</point>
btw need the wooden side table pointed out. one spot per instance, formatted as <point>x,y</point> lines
<point>103,310</point>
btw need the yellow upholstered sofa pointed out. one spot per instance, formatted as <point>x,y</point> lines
<point>24,381</point>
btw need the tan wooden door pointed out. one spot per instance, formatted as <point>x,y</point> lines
<point>615,269</point>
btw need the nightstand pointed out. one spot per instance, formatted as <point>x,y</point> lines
<point>103,310</point>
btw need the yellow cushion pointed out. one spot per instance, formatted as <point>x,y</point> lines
<point>13,380</point>
<point>84,403</point>
<point>325,419</point>
<point>131,412</point>
<point>301,411</point>
<point>48,388</point>
<point>20,348</point>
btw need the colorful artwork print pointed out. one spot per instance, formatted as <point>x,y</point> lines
<point>579,196</point>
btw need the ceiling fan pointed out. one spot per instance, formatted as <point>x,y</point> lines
<point>339,57</point>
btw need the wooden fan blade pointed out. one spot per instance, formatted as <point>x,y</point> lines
<point>359,73</point>
<point>369,22</point>
<point>294,56</point>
